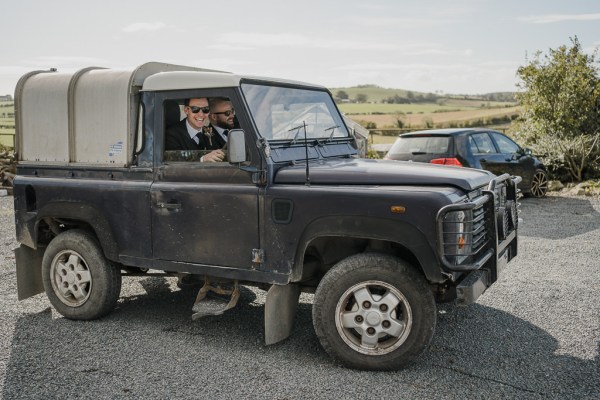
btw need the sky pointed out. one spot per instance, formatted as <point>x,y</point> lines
<point>457,46</point>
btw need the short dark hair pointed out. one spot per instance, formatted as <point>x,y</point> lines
<point>186,102</point>
<point>213,101</point>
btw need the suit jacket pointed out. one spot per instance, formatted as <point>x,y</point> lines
<point>178,138</point>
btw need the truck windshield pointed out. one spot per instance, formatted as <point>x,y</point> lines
<point>283,113</point>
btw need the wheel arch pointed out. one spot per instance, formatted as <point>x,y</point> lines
<point>76,215</point>
<point>403,240</point>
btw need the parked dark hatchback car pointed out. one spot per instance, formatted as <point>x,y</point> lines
<point>473,148</point>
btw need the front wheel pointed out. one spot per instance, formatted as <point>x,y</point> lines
<point>374,311</point>
<point>79,281</point>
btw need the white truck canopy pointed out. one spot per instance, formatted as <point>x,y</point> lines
<point>91,116</point>
<point>84,117</point>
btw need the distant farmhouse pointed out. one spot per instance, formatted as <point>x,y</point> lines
<point>8,97</point>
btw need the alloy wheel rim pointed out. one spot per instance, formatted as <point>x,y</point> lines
<point>71,278</point>
<point>373,318</point>
<point>539,186</point>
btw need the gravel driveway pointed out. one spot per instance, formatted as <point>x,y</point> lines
<point>534,334</point>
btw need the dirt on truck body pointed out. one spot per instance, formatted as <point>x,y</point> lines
<point>99,196</point>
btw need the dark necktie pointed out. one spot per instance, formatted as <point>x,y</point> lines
<point>199,136</point>
<point>225,132</point>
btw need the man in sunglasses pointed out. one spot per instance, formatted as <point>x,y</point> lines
<point>191,134</point>
<point>221,117</point>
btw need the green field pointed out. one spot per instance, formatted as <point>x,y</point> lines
<point>7,125</point>
<point>382,108</point>
<point>378,94</point>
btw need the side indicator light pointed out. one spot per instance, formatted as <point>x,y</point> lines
<point>461,242</point>
<point>398,209</point>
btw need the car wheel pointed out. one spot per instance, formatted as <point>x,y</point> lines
<point>374,312</point>
<point>539,184</point>
<point>79,281</point>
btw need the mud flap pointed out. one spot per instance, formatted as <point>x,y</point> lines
<point>280,311</point>
<point>29,271</point>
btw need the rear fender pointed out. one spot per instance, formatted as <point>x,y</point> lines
<point>77,212</point>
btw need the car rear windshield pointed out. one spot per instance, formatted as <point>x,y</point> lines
<point>421,145</point>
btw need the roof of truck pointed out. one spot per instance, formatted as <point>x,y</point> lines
<point>176,80</point>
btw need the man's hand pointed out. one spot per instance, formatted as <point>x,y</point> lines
<point>213,156</point>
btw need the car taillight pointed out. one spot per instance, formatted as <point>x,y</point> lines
<point>446,161</point>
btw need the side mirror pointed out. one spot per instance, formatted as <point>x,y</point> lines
<point>236,146</point>
<point>527,152</point>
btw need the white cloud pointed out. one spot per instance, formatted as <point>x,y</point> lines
<point>14,69</point>
<point>64,61</point>
<point>451,78</point>
<point>400,22</point>
<point>552,18</point>
<point>223,64</point>
<point>144,27</point>
<point>229,47</point>
<point>251,41</point>
<point>263,39</point>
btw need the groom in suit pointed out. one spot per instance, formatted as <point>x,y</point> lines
<point>221,117</point>
<point>190,133</point>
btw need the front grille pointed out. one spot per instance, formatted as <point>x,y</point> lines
<point>480,236</point>
<point>468,232</point>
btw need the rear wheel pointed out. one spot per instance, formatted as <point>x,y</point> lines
<point>79,281</point>
<point>539,184</point>
<point>374,311</point>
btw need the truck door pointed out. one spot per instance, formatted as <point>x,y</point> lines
<point>203,212</point>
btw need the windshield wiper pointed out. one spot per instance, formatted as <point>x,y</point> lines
<point>297,129</point>
<point>332,129</point>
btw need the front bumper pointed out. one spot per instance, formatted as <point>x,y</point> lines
<point>478,281</point>
<point>478,237</point>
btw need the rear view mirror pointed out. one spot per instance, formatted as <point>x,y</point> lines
<point>236,146</point>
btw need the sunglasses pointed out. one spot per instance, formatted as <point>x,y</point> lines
<point>196,109</point>
<point>227,113</point>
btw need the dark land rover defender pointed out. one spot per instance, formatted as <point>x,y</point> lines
<point>293,208</point>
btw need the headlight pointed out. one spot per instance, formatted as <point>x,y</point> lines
<point>458,235</point>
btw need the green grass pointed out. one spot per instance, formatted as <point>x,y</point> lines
<point>373,93</point>
<point>7,125</point>
<point>382,108</point>
<point>381,139</point>
<point>379,94</point>
<point>7,140</point>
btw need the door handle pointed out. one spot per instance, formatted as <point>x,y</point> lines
<point>170,206</point>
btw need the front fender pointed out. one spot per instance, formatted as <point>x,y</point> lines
<point>402,233</point>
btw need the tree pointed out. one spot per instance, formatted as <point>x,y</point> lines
<point>361,98</point>
<point>560,99</point>
<point>341,95</point>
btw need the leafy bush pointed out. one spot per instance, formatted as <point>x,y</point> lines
<point>560,99</point>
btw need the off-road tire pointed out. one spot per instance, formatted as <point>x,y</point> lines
<point>79,281</point>
<point>374,292</point>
